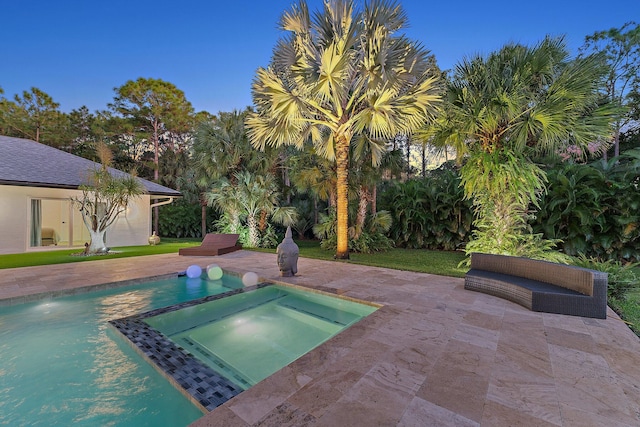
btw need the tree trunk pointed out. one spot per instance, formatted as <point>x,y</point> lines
<point>203,219</point>
<point>254,237</point>
<point>97,245</point>
<point>374,199</point>
<point>364,196</point>
<point>156,173</point>
<point>342,202</point>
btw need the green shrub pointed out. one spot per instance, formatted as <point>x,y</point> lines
<point>371,239</point>
<point>428,213</point>
<point>182,220</point>
<point>594,209</point>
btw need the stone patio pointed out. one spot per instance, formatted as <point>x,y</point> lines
<point>433,355</point>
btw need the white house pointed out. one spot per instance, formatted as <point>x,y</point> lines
<point>37,183</point>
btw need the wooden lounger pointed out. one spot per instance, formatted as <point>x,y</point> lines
<point>214,244</point>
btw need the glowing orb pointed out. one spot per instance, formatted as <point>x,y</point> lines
<point>250,279</point>
<point>194,271</point>
<point>214,272</point>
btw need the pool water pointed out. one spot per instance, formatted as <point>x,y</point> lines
<point>249,336</point>
<point>60,363</point>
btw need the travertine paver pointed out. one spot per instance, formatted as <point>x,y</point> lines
<point>434,355</point>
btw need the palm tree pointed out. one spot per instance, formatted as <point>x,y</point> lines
<point>516,104</point>
<point>339,74</point>
<point>254,197</point>
<point>221,149</point>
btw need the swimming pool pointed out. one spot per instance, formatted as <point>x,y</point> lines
<point>61,363</point>
<point>216,347</point>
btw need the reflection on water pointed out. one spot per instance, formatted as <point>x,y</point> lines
<point>62,364</point>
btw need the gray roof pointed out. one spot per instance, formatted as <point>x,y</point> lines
<point>28,163</point>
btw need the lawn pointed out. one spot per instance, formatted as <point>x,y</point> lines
<point>434,262</point>
<point>65,256</point>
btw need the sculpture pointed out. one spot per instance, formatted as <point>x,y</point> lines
<point>287,252</point>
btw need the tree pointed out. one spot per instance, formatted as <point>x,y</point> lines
<point>339,74</point>
<point>253,197</point>
<point>156,107</point>
<point>33,115</point>
<point>106,195</point>
<point>621,48</point>
<point>516,104</point>
<point>221,149</point>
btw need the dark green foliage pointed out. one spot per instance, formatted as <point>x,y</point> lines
<point>372,238</point>
<point>429,212</point>
<point>594,209</point>
<point>181,219</point>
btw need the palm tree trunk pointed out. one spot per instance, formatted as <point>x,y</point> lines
<point>203,218</point>
<point>374,199</point>
<point>342,207</point>
<point>254,237</point>
<point>364,196</point>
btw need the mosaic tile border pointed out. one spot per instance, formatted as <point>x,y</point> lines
<point>202,385</point>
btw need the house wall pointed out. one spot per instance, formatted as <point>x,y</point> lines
<point>129,229</point>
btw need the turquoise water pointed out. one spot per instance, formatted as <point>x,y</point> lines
<point>61,364</point>
<point>247,337</point>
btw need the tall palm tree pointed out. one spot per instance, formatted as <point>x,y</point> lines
<point>337,74</point>
<point>518,103</point>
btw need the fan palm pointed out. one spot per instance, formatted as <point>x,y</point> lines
<point>254,197</point>
<point>514,104</point>
<point>339,74</point>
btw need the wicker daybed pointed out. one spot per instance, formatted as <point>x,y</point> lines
<point>540,285</point>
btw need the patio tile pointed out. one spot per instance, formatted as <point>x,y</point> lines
<point>434,354</point>
<point>422,413</point>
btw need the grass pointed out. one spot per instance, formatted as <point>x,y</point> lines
<point>65,256</point>
<point>443,263</point>
<point>424,261</point>
<point>629,309</point>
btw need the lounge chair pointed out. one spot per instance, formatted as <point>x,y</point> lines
<point>214,244</point>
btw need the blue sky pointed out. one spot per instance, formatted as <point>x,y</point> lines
<point>78,51</point>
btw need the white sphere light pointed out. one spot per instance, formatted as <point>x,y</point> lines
<point>194,271</point>
<point>250,279</point>
<point>214,272</point>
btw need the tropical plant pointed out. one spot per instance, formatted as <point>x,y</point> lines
<point>594,209</point>
<point>428,213</point>
<point>515,104</point>
<point>370,238</point>
<point>106,195</point>
<point>338,74</point>
<point>183,219</point>
<point>254,198</point>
